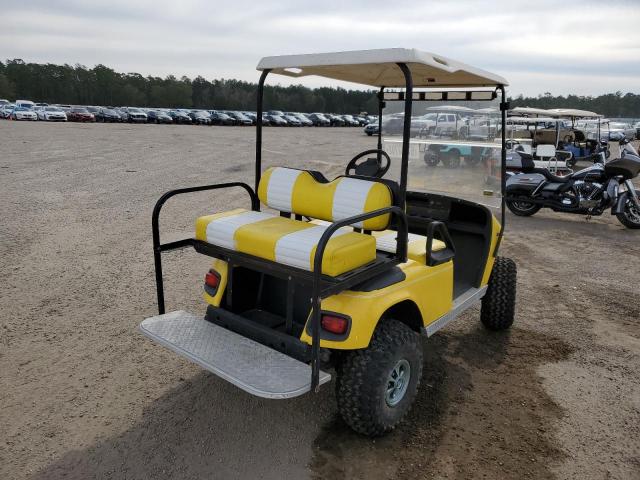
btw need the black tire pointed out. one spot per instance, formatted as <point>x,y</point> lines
<point>629,217</point>
<point>364,377</point>
<point>431,158</point>
<point>451,159</point>
<point>523,208</point>
<point>499,303</point>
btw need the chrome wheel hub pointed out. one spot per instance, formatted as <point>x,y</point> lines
<point>398,382</point>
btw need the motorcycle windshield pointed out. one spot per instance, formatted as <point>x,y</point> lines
<point>455,147</point>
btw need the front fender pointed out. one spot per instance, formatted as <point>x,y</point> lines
<point>618,207</point>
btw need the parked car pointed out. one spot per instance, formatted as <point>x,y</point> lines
<point>135,115</point>
<point>350,121</point>
<point>51,114</point>
<point>6,109</point>
<point>41,104</point>
<point>265,120</point>
<point>180,117</point>
<point>292,120</point>
<point>158,116</point>
<point>80,114</point>
<point>275,112</point>
<point>107,115</point>
<point>304,121</point>
<point>200,117</point>
<point>240,118</point>
<point>219,118</point>
<point>371,128</point>
<point>319,120</point>
<point>23,113</point>
<point>637,127</point>
<point>336,120</point>
<point>28,104</point>
<point>277,120</point>
<point>251,116</point>
<point>3,101</point>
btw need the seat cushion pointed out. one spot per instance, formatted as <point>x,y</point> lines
<point>299,191</point>
<point>416,247</point>
<point>286,241</point>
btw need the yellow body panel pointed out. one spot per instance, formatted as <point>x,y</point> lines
<point>495,233</point>
<point>430,288</point>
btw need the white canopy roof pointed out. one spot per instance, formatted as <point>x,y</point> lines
<point>572,112</point>
<point>378,68</point>
<point>553,112</point>
<point>531,111</point>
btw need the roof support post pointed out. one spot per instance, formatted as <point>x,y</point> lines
<point>406,132</point>
<point>380,108</point>
<point>263,77</point>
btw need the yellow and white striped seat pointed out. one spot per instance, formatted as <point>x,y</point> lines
<point>416,245</point>
<point>286,241</point>
<point>292,242</point>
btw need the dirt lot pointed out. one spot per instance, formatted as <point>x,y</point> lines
<point>83,396</point>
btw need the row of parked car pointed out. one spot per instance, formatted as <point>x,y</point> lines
<point>27,110</point>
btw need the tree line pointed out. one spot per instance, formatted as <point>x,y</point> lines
<point>101,85</point>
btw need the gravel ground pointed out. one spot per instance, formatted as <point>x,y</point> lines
<point>84,396</point>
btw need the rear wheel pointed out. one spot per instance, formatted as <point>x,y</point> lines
<point>499,303</point>
<point>451,159</point>
<point>630,216</point>
<point>376,386</point>
<point>522,208</point>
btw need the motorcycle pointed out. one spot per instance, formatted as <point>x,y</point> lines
<point>590,191</point>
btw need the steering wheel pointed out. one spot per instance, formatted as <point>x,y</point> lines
<point>371,167</point>
<point>511,143</point>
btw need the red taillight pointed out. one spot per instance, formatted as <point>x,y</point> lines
<point>334,324</point>
<point>212,279</point>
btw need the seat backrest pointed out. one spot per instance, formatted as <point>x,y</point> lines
<point>546,151</point>
<point>300,192</point>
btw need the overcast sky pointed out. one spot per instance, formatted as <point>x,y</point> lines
<point>583,47</point>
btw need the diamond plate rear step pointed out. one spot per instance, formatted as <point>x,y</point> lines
<point>253,367</point>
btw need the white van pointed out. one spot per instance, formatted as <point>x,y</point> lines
<point>25,104</point>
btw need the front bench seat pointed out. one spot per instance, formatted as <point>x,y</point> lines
<point>293,242</point>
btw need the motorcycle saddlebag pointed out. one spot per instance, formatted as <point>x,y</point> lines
<point>524,183</point>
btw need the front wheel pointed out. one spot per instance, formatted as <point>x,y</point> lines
<point>376,386</point>
<point>630,216</point>
<point>523,208</point>
<point>499,303</point>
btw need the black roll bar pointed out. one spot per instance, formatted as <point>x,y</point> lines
<point>263,77</point>
<point>504,106</point>
<point>401,254</point>
<point>158,248</point>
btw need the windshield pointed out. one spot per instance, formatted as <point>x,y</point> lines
<point>53,109</point>
<point>455,148</point>
<point>79,110</point>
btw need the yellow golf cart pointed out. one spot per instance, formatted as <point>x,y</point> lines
<point>344,275</point>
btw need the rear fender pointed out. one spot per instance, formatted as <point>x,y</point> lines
<point>430,289</point>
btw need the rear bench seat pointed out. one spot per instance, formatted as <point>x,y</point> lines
<point>293,242</point>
